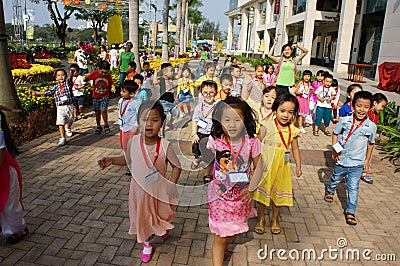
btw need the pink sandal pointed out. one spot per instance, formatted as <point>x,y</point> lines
<point>165,236</point>
<point>147,252</point>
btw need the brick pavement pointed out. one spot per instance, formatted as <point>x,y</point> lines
<point>78,215</point>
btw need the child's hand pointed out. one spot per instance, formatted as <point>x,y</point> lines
<point>335,155</point>
<point>172,191</point>
<point>366,166</point>
<point>104,162</point>
<point>248,195</point>
<point>113,90</point>
<point>195,138</point>
<point>32,93</point>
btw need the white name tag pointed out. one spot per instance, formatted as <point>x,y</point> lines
<point>64,98</point>
<point>202,123</point>
<point>237,177</point>
<point>151,178</point>
<point>287,157</point>
<point>338,147</point>
<point>120,121</point>
<point>186,90</point>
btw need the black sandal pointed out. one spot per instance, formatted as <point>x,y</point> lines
<point>107,129</point>
<point>350,218</point>
<point>15,238</point>
<point>98,130</point>
<point>329,196</point>
<point>328,133</point>
<point>207,179</point>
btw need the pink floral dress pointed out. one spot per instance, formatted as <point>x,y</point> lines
<point>228,212</point>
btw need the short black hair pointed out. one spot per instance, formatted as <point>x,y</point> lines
<point>61,69</point>
<point>286,97</point>
<point>328,76</point>
<point>379,97</point>
<point>232,67</point>
<point>74,65</point>
<point>250,118</point>
<point>210,83</point>
<point>104,65</point>
<point>132,64</point>
<point>165,65</point>
<point>226,77</point>
<point>130,86</point>
<point>320,72</point>
<point>151,105</point>
<point>284,47</point>
<point>307,73</point>
<point>335,83</point>
<point>352,87</point>
<point>139,77</point>
<point>269,88</point>
<point>362,95</point>
<point>146,63</point>
<point>267,66</point>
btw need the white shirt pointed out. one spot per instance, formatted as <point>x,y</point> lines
<point>2,140</point>
<point>78,82</point>
<point>113,54</point>
<point>81,59</point>
<point>325,93</point>
<point>129,117</point>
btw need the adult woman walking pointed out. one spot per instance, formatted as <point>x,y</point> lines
<point>287,64</point>
<point>125,57</point>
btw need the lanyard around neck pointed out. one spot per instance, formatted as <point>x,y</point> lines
<point>286,144</point>
<point>145,156</point>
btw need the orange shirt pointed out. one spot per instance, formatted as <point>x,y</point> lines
<point>131,75</point>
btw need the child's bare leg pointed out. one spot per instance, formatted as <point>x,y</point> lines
<point>189,108</point>
<point>275,211</point>
<point>218,248</point>
<point>104,114</point>
<point>81,109</point>
<point>98,115</point>
<point>300,120</point>
<point>209,169</point>
<point>68,126</point>
<point>62,131</point>
<point>75,111</point>
<point>181,107</point>
<point>261,211</point>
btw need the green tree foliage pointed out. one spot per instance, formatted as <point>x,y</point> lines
<point>59,18</point>
<point>97,19</point>
<point>209,30</point>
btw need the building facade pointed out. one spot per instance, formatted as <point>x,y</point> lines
<point>334,31</point>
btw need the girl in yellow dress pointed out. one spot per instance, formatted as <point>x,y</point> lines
<point>185,92</point>
<point>277,137</point>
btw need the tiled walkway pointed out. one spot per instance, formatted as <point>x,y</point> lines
<point>78,214</point>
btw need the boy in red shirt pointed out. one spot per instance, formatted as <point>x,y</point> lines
<point>379,103</point>
<point>102,87</point>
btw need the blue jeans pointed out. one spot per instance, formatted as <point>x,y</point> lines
<point>353,181</point>
<point>122,76</point>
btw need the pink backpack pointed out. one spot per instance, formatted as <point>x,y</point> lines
<point>278,68</point>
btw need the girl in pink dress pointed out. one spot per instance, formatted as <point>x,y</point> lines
<point>303,97</point>
<point>229,194</point>
<point>151,196</point>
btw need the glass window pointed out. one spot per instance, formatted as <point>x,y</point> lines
<point>375,5</point>
<point>299,6</point>
<point>263,13</point>
<point>329,5</point>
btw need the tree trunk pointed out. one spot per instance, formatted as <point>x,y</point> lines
<point>134,30</point>
<point>186,28</point>
<point>178,24</point>
<point>8,94</point>
<point>182,29</point>
<point>165,56</point>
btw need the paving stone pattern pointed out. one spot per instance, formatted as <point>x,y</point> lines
<point>78,214</point>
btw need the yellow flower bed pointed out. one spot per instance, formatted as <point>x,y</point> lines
<point>174,62</point>
<point>36,74</point>
<point>29,102</point>
<point>53,62</point>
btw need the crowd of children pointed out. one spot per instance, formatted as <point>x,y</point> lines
<point>242,129</point>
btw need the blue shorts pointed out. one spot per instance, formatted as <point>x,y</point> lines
<point>100,104</point>
<point>79,100</point>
